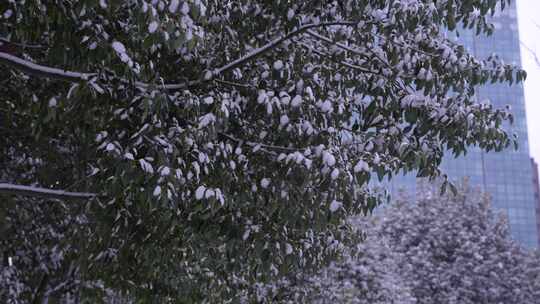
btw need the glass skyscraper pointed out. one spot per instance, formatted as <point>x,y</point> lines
<point>536,190</point>
<point>505,175</point>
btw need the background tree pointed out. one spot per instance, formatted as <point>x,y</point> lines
<point>212,145</point>
<point>441,249</point>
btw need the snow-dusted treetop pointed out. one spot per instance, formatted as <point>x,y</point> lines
<point>437,249</point>
<point>239,127</point>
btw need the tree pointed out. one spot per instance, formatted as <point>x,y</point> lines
<point>206,145</point>
<point>442,249</point>
<point>459,250</point>
<point>369,273</point>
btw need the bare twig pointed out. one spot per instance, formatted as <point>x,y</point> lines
<point>533,53</point>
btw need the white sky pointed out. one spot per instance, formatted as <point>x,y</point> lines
<point>529,32</point>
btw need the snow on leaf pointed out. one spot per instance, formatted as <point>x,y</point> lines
<point>207,119</point>
<point>328,159</point>
<point>185,8</point>
<point>288,249</point>
<point>326,106</point>
<point>146,166</point>
<point>207,75</point>
<point>262,97</point>
<point>296,101</point>
<point>290,14</point>
<point>246,234</point>
<point>52,102</point>
<point>165,171</point>
<point>8,13</point>
<point>265,182</point>
<point>173,6</point>
<point>278,65</point>
<point>152,27</point>
<point>157,191</point>
<point>209,193</point>
<point>361,166</point>
<point>335,205</point>
<point>119,47</point>
<point>335,173</point>
<point>208,100</point>
<point>284,120</point>
<point>199,193</point>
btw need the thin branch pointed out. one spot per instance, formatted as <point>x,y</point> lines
<point>344,63</point>
<point>346,47</point>
<point>22,45</point>
<point>38,296</point>
<point>533,53</point>
<point>272,44</point>
<point>408,46</point>
<point>340,45</point>
<point>41,70</point>
<point>12,189</point>
<point>235,84</point>
<point>264,147</point>
<point>170,86</point>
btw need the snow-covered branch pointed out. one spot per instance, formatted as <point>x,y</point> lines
<point>272,44</point>
<point>12,189</point>
<point>55,73</point>
<point>71,76</point>
<point>340,45</point>
<point>41,70</point>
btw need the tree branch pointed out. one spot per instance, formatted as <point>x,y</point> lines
<point>21,45</point>
<point>344,63</point>
<point>41,70</point>
<point>235,84</point>
<point>38,296</point>
<point>11,189</point>
<point>71,76</point>
<point>340,45</point>
<point>272,44</point>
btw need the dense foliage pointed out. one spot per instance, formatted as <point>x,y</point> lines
<point>214,144</point>
<point>439,249</point>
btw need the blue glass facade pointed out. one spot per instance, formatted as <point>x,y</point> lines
<point>507,176</point>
